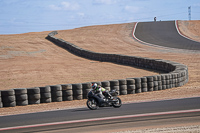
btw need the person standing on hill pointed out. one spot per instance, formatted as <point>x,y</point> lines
<point>154,19</point>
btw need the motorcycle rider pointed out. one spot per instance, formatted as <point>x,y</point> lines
<point>100,91</point>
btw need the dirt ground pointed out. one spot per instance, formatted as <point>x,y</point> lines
<point>190,29</point>
<point>29,60</point>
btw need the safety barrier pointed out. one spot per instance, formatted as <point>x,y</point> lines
<point>8,98</point>
<point>174,75</point>
<point>33,95</point>
<point>67,92</point>
<point>45,93</point>
<point>1,104</point>
<point>21,97</point>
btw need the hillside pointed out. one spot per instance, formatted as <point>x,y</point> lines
<point>29,60</point>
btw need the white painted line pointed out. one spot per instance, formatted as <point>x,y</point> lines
<point>153,45</point>
<point>133,34</point>
<point>146,43</point>
<point>101,119</point>
<point>179,32</point>
<point>159,100</point>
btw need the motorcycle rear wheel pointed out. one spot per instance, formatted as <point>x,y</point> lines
<point>92,104</point>
<point>118,103</point>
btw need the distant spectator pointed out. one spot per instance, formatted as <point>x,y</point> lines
<point>154,19</point>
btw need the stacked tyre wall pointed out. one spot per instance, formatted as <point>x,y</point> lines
<point>173,75</point>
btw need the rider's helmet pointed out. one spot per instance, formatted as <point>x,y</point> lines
<point>94,86</point>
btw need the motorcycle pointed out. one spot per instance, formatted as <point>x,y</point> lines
<point>95,101</point>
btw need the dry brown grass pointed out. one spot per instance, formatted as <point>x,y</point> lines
<point>29,60</point>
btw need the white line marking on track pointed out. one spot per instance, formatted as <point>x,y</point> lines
<point>101,119</point>
<point>159,100</point>
<point>179,32</point>
<point>146,43</point>
<point>154,45</point>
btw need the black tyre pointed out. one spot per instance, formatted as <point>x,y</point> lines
<point>105,84</point>
<point>57,99</point>
<point>21,97</point>
<point>122,82</point>
<point>138,90</point>
<point>34,101</point>
<point>87,85</point>
<point>55,88</point>
<point>92,104</point>
<point>68,98</point>
<point>10,104</point>
<point>150,84</point>
<point>78,97</point>
<point>118,103</point>
<point>67,92</point>
<point>130,81</point>
<point>22,103</point>
<point>144,89</point>
<point>1,105</point>
<point>20,91</point>
<point>35,90</point>
<point>137,80</point>
<point>143,79</point>
<point>86,88</point>
<point>45,95</point>
<point>56,94</point>
<point>131,89</point>
<point>123,92</point>
<point>34,97</point>
<point>10,92</point>
<point>8,99</point>
<point>66,87</point>
<point>46,89</point>
<point>77,92</point>
<point>114,83</point>
<point>46,100</point>
<point>149,79</point>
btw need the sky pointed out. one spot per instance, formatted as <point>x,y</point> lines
<point>22,16</point>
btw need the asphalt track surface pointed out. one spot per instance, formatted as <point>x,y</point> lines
<point>75,120</point>
<point>129,115</point>
<point>165,34</point>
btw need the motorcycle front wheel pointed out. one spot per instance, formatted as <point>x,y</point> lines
<point>92,104</point>
<point>118,103</point>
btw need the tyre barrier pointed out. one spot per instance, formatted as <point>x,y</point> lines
<point>155,83</point>
<point>159,82</point>
<point>173,74</point>
<point>138,85</point>
<point>164,81</point>
<point>123,86</point>
<point>106,85</point>
<point>45,93</point>
<point>56,93</point>
<point>144,84</point>
<point>67,92</point>
<point>150,82</point>
<point>21,96</point>
<point>77,91</point>
<point>8,98</point>
<point>114,85</point>
<point>86,88</point>
<point>130,86</point>
<point>1,104</point>
<point>33,95</point>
